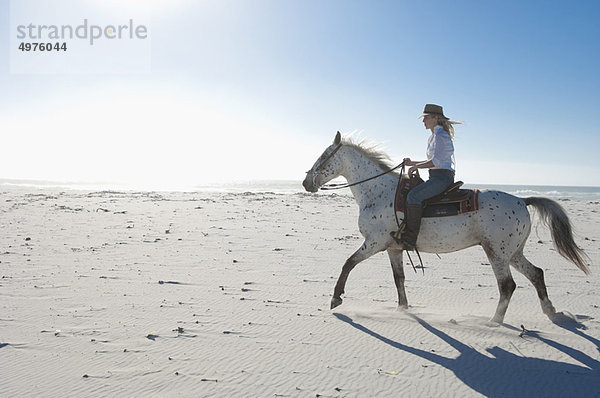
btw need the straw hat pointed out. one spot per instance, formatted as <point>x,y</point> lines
<point>431,109</point>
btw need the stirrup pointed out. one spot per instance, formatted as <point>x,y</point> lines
<point>397,235</point>
<point>408,246</point>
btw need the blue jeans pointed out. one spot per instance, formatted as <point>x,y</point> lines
<point>438,181</point>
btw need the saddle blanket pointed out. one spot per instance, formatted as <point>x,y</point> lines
<point>450,204</point>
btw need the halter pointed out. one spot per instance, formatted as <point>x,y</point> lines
<point>321,163</point>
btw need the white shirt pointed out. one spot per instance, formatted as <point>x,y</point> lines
<point>440,149</point>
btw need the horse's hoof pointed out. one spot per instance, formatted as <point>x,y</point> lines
<point>402,308</point>
<point>336,301</point>
<point>564,318</point>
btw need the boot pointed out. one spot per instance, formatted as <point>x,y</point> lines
<point>412,220</point>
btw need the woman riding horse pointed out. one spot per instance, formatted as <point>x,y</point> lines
<point>440,162</point>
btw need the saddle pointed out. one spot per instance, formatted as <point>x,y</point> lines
<point>451,202</point>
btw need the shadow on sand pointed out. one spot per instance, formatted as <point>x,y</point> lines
<point>507,374</point>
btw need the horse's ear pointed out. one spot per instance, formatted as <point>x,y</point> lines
<point>338,138</point>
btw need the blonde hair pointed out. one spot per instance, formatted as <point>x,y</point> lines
<point>448,126</point>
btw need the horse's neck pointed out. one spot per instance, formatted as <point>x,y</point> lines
<point>359,167</point>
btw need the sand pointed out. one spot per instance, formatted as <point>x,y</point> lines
<point>227,295</point>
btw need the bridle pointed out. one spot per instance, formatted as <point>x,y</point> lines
<point>330,187</point>
<point>315,168</point>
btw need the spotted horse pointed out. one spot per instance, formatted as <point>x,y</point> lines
<point>501,225</point>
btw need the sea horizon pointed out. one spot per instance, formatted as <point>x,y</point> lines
<point>564,192</point>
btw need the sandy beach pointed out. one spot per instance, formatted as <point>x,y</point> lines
<point>227,295</point>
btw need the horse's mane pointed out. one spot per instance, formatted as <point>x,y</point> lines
<point>371,151</point>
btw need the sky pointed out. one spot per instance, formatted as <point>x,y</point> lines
<point>232,90</point>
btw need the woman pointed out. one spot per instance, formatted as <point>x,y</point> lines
<point>440,162</point>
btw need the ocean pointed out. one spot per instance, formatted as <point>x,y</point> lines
<point>295,186</point>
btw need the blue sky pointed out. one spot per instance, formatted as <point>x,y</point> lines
<point>240,90</point>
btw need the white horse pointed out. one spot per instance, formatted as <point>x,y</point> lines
<point>501,225</point>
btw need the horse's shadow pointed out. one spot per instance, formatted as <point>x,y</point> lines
<point>507,374</point>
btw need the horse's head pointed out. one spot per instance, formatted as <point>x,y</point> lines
<point>326,168</point>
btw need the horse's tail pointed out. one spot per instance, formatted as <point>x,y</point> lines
<point>554,216</point>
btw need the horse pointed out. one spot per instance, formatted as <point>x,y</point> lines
<point>500,226</point>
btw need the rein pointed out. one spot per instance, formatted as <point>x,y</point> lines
<point>331,187</point>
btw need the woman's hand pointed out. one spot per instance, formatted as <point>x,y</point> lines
<point>408,162</point>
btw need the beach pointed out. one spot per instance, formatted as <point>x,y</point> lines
<point>226,294</point>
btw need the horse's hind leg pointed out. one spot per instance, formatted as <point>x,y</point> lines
<point>398,269</point>
<point>506,284</point>
<point>536,277</point>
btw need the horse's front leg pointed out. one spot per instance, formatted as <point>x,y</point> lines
<point>364,252</point>
<point>398,270</point>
